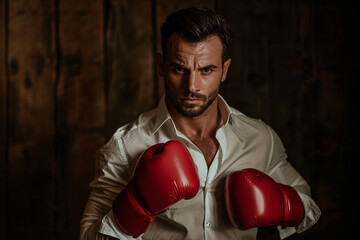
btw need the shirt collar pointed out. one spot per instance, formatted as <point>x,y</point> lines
<point>163,115</point>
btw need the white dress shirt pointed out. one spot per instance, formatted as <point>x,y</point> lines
<point>243,143</point>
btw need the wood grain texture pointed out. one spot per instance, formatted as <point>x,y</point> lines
<point>130,61</point>
<point>30,114</point>
<point>3,119</point>
<point>80,108</point>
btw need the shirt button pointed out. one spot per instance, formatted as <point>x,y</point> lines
<point>208,224</point>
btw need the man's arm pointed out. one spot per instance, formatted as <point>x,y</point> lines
<point>277,197</point>
<point>283,172</point>
<point>112,174</point>
<point>91,222</point>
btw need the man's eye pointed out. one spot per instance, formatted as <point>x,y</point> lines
<point>179,70</point>
<point>207,70</point>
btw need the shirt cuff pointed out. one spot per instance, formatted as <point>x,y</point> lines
<point>108,227</point>
<point>285,232</point>
<point>312,213</point>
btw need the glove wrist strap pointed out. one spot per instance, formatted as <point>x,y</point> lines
<point>294,209</point>
<point>130,216</point>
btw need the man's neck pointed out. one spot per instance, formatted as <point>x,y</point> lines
<point>202,126</point>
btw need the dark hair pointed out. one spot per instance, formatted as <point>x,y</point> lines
<point>196,24</point>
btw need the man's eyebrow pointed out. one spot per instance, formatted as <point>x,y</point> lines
<point>208,66</point>
<point>179,64</point>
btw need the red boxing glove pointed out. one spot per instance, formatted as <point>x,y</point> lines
<point>253,199</point>
<point>164,175</point>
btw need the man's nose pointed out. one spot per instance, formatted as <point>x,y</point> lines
<point>192,81</point>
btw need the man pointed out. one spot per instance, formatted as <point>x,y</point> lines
<point>195,168</point>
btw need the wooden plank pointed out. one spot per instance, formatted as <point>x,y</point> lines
<point>246,87</point>
<point>80,115</point>
<point>130,61</point>
<point>272,65</point>
<point>163,9</point>
<point>3,119</point>
<point>30,125</point>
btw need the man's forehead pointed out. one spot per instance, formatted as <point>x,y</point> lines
<point>177,38</point>
<point>177,59</point>
<point>180,50</point>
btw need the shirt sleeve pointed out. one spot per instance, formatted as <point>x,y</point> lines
<point>283,172</point>
<point>112,175</point>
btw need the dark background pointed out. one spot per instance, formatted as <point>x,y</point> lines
<point>72,72</point>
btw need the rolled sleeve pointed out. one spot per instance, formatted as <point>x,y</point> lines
<point>283,172</point>
<point>108,227</point>
<point>112,175</point>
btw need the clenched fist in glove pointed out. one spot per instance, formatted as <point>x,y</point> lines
<point>253,199</point>
<point>164,175</point>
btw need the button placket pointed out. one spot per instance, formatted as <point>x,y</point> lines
<point>208,223</point>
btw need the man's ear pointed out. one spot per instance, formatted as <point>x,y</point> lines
<point>160,64</point>
<point>226,66</point>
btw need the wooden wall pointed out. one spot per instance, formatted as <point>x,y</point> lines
<point>72,72</point>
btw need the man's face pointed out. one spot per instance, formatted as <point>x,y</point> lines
<point>192,74</point>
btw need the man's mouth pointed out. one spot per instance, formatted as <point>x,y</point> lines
<point>191,101</point>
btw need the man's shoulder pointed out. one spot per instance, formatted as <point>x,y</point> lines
<point>239,119</point>
<point>140,127</point>
<point>250,127</point>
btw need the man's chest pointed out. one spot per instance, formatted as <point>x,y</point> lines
<point>208,147</point>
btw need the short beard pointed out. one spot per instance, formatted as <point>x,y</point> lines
<point>189,110</point>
